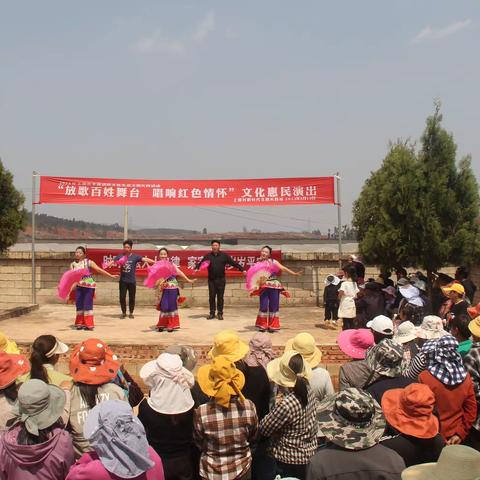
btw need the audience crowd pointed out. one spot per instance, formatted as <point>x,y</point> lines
<point>407,405</point>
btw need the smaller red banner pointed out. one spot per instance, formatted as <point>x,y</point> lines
<point>185,259</point>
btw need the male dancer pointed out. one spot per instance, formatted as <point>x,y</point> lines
<point>216,277</point>
<point>128,279</point>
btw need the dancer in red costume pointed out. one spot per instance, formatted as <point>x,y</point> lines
<point>85,289</point>
<point>269,291</point>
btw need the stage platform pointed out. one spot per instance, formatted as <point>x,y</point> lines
<point>136,341</point>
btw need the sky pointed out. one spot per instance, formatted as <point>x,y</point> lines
<point>218,90</point>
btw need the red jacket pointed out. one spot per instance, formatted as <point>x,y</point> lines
<point>456,406</point>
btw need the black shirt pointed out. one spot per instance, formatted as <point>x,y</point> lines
<point>330,293</point>
<point>416,450</point>
<point>218,262</point>
<point>470,289</point>
<point>169,435</point>
<point>257,388</point>
<point>459,308</point>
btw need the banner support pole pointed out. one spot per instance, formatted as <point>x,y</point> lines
<point>339,216</point>
<point>34,276</point>
<point>125,223</point>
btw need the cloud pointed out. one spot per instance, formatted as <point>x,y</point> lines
<point>230,33</point>
<point>204,28</point>
<point>429,33</point>
<point>156,42</point>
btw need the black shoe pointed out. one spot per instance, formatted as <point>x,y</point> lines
<point>261,330</point>
<point>160,329</point>
<point>78,327</point>
<point>169,330</point>
<point>211,317</point>
<point>123,315</point>
<point>131,316</point>
<point>220,316</point>
<point>90,329</point>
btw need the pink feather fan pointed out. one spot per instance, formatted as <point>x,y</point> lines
<point>160,270</point>
<point>69,278</point>
<point>259,273</point>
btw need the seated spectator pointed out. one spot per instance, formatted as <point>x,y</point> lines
<point>120,447</point>
<point>320,381</point>
<point>389,294</point>
<point>455,462</point>
<point>46,351</point>
<point>406,336</point>
<point>93,367</point>
<point>369,303</point>
<point>472,365</point>
<point>12,366</point>
<point>409,411</point>
<point>353,423</point>
<point>225,426</point>
<point>291,425</point>
<point>430,329</point>
<point>474,311</point>
<point>452,387</point>
<point>385,360</point>
<point>36,446</point>
<point>355,344</point>
<point>414,300</point>
<point>7,345</point>
<point>459,329</point>
<point>410,312</point>
<point>167,414</point>
<point>381,327</point>
<point>261,351</point>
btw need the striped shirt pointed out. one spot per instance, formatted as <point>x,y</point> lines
<point>223,435</point>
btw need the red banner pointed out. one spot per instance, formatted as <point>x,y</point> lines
<point>185,259</point>
<point>254,192</point>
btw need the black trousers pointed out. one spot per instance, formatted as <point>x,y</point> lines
<point>216,290</point>
<point>331,310</point>
<point>131,288</point>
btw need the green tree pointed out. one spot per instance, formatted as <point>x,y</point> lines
<point>13,216</point>
<point>420,209</point>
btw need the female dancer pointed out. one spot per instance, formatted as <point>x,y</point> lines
<point>85,289</point>
<point>268,317</point>
<point>168,306</point>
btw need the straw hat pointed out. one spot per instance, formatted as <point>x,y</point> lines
<point>38,405</point>
<point>279,371</point>
<point>455,462</point>
<point>405,332</point>
<point>7,345</point>
<point>356,342</point>
<point>12,366</point>
<point>229,345</point>
<point>221,380</point>
<point>410,410</point>
<point>474,326</point>
<point>304,344</point>
<point>92,362</point>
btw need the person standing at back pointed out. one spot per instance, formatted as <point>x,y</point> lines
<point>218,260</point>
<point>128,279</point>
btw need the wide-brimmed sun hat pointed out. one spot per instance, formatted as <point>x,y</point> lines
<point>170,383</point>
<point>261,351</point>
<point>12,366</point>
<point>7,345</point>
<point>390,291</point>
<point>351,419</point>
<point>405,333</point>
<point>118,438</point>
<point>186,353</point>
<point>93,362</point>
<point>221,380</point>
<point>410,410</point>
<point>474,326</point>
<point>279,371</point>
<point>474,311</point>
<point>38,405</point>
<point>304,344</point>
<point>381,324</point>
<point>412,295</point>
<point>430,328</point>
<point>386,358</point>
<point>356,342</point>
<point>228,344</point>
<point>456,462</point>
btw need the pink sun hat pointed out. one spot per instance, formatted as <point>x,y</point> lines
<point>356,342</point>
